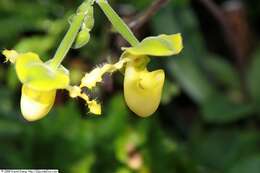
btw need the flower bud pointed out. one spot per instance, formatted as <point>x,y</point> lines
<point>142,90</point>
<point>36,104</point>
<point>82,38</point>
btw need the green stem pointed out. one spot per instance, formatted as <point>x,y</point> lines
<point>117,22</point>
<point>72,33</point>
<point>68,40</point>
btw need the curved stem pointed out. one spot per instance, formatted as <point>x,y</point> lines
<point>117,22</point>
<point>72,33</point>
<point>68,40</point>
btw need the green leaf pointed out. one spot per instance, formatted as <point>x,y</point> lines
<point>39,44</point>
<point>162,45</point>
<point>254,79</point>
<point>190,78</point>
<point>222,71</point>
<point>219,109</point>
<point>170,90</point>
<point>247,165</point>
<point>229,144</point>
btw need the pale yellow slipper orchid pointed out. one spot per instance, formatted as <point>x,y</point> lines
<point>40,83</point>
<point>143,90</point>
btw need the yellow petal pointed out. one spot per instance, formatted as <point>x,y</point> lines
<point>143,89</point>
<point>36,104</point>
<point>162,45</point>
<point>10,55</point>
<point>94,107</point>
<point>38,75</point>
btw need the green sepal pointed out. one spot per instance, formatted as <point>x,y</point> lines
<point>162,45</point>
<point>38,75</point>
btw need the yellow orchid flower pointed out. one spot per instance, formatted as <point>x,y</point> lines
<point>40,83</point>
<point>143,89</point>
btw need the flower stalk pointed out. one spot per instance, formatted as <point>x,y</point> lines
<point>117,22</point>
<point>68,40</point>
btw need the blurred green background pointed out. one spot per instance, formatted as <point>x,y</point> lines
<point>208,121</point>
